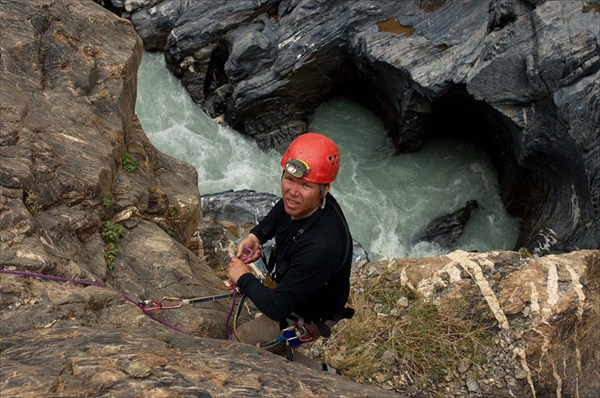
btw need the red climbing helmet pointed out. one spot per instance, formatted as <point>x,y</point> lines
<point>312,157</point>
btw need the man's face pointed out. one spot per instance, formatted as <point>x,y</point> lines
<point>300,198</point>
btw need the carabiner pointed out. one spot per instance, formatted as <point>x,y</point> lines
<point>153,305</point>
<point>247,253</point>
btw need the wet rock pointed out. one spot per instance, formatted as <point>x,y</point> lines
<point>446,230</point>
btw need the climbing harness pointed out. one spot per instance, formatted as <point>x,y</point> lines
<point>293,336</point>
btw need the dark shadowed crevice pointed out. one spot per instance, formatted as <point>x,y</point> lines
<point>361,88</point>
<point>460,115</point>
<point>215,82</point>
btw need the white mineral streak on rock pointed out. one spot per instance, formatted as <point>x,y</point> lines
<point>30,256</point>
<point>534,298</point>
<point>46,240</point>
<point>72,138</point>
<point>125,214</point>
<point>427,286</point>
<point>519,352</point>
<point>578,290</point>
<point>462,258</point>
<point>290,40</point>
<point>575,209</point>
<point>557,378</point>
<point>453,271</point>
<point>551,291</point>
<point>580,304</point>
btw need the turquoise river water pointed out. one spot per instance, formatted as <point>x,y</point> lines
<point>387,199</point>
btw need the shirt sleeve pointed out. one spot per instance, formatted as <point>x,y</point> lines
<point>307,273</point>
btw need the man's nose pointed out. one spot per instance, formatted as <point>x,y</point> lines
<point>294,189</point>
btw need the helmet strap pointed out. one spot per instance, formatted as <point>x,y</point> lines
<point>323,194</point>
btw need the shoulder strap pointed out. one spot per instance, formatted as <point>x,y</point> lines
<point>307,224</point>
<point>282,268</point>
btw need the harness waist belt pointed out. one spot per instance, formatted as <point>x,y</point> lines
<point>345,313</point>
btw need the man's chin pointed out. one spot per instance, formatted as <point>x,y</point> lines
<point>289,212</point>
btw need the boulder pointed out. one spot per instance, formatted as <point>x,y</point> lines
<point>445,230</point>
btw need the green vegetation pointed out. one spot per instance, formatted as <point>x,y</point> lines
<point>524,252</point>
<point>106,202</point>
<point>408,332</point>
<point>173,211</point>
<point>129,163</point>
<point>31,200</point>
<point>111,234</point>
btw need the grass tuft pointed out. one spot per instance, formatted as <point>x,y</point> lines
<point>31,199</point>
<point>111,233</point>
<point>129,163</point>
<point>395,328</point>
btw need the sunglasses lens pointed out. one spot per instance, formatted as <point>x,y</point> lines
<point>297,168</point>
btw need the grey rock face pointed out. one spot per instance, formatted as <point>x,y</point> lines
<point>518,77</point>
<point>86,362</point>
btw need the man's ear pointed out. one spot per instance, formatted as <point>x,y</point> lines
<point>326,189</point>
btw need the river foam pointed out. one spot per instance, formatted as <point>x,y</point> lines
<point>388,200</point>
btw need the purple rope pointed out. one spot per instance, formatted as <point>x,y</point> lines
<point>138,304</point>
<point>90,283</point>
<point>233,298</point>
<point>51,277</point>
<point>249,253</point>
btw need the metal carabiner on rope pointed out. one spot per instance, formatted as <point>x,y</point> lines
<point>154,305</point>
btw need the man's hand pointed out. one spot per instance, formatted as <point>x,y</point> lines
<point>236,269</point>
<point>249,242</point>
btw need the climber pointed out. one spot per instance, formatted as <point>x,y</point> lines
<point>308,278</point>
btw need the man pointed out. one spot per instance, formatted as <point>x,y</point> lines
<point>309,269</point>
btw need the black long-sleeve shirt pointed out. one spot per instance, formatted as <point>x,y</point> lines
<point>316,265</point>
